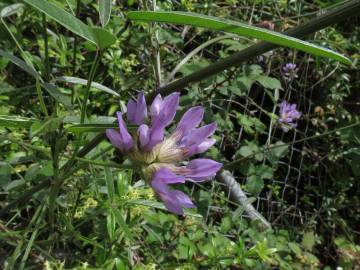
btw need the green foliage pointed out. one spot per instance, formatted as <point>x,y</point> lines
<point>69,200</point>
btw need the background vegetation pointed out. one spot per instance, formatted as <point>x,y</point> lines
<point>60,210</point>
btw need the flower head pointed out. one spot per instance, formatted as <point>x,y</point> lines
<point>288,114</point>
<point>159,157</point>
<point>290,71</point>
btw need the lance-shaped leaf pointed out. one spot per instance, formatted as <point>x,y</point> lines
<point>10,10</point>
<point>55,92</point>
<point>242,29</point>
<point>100,37</point>
<point>96,85</point>
<point>104,11</point>
<point>14,121</point>
<point>94,127</point>
<point>20,63</point>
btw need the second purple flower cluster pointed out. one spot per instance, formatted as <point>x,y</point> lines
<point>288,116</point>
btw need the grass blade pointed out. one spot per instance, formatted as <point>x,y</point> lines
<point>214,23</point>
<point>20,63</point>
<point>14,121</point>
<point>95,85</point>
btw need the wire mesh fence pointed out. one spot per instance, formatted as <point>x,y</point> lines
<point>281,200</point>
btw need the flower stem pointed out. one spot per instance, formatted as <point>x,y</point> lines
<point>41,98</point>
<point>46,43</point>
<point>88,86</point>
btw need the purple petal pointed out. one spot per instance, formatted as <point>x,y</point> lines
<point>167,111</point>
<point>131,111</point>
<point>199,135</point>
<point>137,111</point>
<point>168,176</point>
<point>159,185</point>
<point>141,112</point>
<point>172,205</point>
<point>190,120</point>
<point>156,106</point>
<point>124,134</point>
<point>200,148</point>
<point>162,189</point>
<point>162,119</point>
<point>201,169</point>
<point>174,200</point>
<point>114,138</point>
<point>156,135</point>
<point>183,199</point>
<point>283,107</point>
<point>121,139</point>
<point>144,137</point>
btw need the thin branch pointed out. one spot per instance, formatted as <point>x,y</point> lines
<point>238,196</point>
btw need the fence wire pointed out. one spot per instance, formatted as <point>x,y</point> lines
<point>290,178</point>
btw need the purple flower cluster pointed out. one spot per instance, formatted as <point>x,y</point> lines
<point>290,71</point>
<point>158,157</point>
<point>288,114</point>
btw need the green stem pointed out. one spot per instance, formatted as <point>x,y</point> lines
<point>45,36</point>
<point>86,97</point>
<point>75,49</point>
<point>88,86</point>
<point>33,221</point>
<point>27,60</point>
<point>235,163</point>
<point>32,238</point>
<point>41,98</point>
<point>55,152</point>
<point>23,55</point>
<point>104,164</point>
<point>194,52</point>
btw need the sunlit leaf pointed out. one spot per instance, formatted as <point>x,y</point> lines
<point>16,121</point>
<point>11,10</point>
<point>242,29</point>
<point>76,80</point>
<point>104,11</point>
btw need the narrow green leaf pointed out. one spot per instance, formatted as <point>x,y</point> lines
<point>109,183</point>
<point>10,10</point>
<point>95,85</point>
<point>99,119</point>
<point>104,11</point>
<point>121,221</point>
<point>20,63</point>
<point>46,126</point>
<point>55,92</point>
<point>158,205</point>
<point>111,226</point>
<point>16,121</point>
<point>91,127</point>
<point>219,24</point>
<point>99,37</point>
